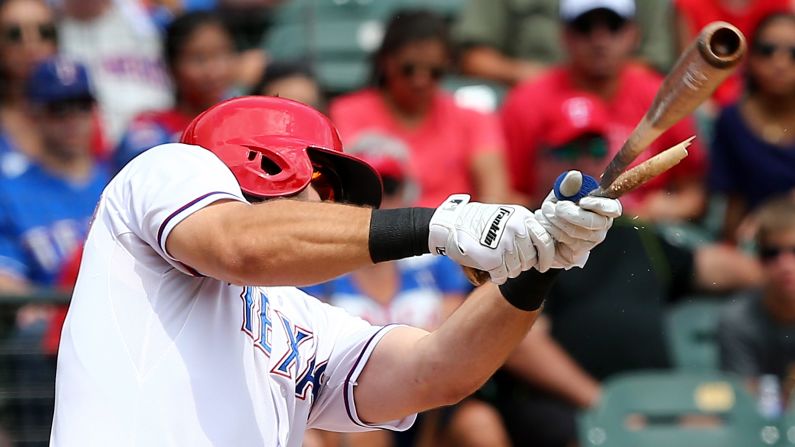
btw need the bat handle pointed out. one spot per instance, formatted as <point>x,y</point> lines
<point>573,186</point>
<point>570,185</point>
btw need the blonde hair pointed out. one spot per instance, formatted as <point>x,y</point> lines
<point>774,216</point>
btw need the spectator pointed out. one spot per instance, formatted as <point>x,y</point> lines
<point>200,57</point>
<point>693,15</point>
<point>292,80</point>
<point>45,206</point>
<point>753,153</point>
<point>510,41</point>
<point>624,289</point>
<point>249,21</point>
<point>453,149</point>
<point>756,333</point>
<point>121,47</point>
<point>421,291</point>
<point>598,79</point>
<point>28,37</point>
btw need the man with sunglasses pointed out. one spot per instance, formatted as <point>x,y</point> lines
<point>599,36</point>
<point>181,328</point>
<point>756,333</point>
<point>511,41</point>
<point>46,202</point>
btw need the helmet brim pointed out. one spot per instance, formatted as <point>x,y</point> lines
<point>361,184</point>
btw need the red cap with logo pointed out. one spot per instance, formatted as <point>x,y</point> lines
<point>574,116</point>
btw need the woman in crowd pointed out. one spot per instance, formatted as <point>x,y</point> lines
<point>753,156</point>
<point>27,36</point>
<point>200,55</point>
<point>291,79</point>
<point>693,15</point>
<point>453,149</point>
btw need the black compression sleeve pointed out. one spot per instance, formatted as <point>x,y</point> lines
<point>529,290</point>
<point>399,233</point>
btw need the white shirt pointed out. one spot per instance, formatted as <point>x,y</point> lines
<point>123,55</point>
<point>152,354</point>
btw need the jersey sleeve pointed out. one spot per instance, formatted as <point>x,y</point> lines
<point>165,185</point>
<point>351,344</point>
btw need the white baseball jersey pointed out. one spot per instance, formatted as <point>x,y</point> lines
<point>153,353</point>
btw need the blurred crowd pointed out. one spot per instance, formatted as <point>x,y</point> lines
<point>493,98</point>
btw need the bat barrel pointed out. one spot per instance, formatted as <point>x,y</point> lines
<point>721,44</point>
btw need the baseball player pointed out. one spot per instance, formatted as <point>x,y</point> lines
<point>182,328</point>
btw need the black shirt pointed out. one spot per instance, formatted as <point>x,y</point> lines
<point>609,315</point>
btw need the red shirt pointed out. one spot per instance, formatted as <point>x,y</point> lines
<point>699,13</point>
<point>528,109</point>
<point>441,149</point>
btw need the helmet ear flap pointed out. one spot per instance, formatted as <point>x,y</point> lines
<point>267,165</point>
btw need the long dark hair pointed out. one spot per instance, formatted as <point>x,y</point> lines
<point>180,31</point>
<point>405,27</point>
<point>751,86</point>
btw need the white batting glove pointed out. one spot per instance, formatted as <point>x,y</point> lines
<point>577,227</point>
<point>503,240</point>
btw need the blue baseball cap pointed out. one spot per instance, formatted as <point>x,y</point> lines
<point>58,79</point>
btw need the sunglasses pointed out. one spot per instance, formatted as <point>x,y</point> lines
<point>410,70</point>
<point>61,109</point>
<point>768,49</point>
<point>326,182</point>
<point>771,253</point>
<point>15,33</point>
<point>587,23</point>
<point>595,147</point>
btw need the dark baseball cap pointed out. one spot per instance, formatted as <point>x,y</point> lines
<point>58,79</point>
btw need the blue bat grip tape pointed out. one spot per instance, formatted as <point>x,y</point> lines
<point>588,184</point>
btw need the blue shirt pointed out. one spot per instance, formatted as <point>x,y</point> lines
<point>43,219</point>
<point>745,165</point>
<point>422,283</point>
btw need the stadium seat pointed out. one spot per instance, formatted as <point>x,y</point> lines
<point>787,426</point>
<point>335,36</point>
<point>667,409</point>
<point>691,329</point>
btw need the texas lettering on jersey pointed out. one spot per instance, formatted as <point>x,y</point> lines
<point>295,360</point>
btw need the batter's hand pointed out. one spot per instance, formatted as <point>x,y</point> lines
<point>503,240</point>
<point>577,227</point>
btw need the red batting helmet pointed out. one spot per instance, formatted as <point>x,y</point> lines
<point>275,146</point>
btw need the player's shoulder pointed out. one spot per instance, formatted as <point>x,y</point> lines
<point>176,155</point>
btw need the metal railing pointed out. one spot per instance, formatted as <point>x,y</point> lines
<point>27,370</point>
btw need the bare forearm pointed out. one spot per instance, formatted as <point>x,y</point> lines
<point>542,362</point>
<point>445,366</point>
<point>279,242</point>
<point>491,178</point>
<point>488,63</point>
<point>722,268</point>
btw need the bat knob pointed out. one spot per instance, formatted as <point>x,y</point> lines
<point>574,185</point>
